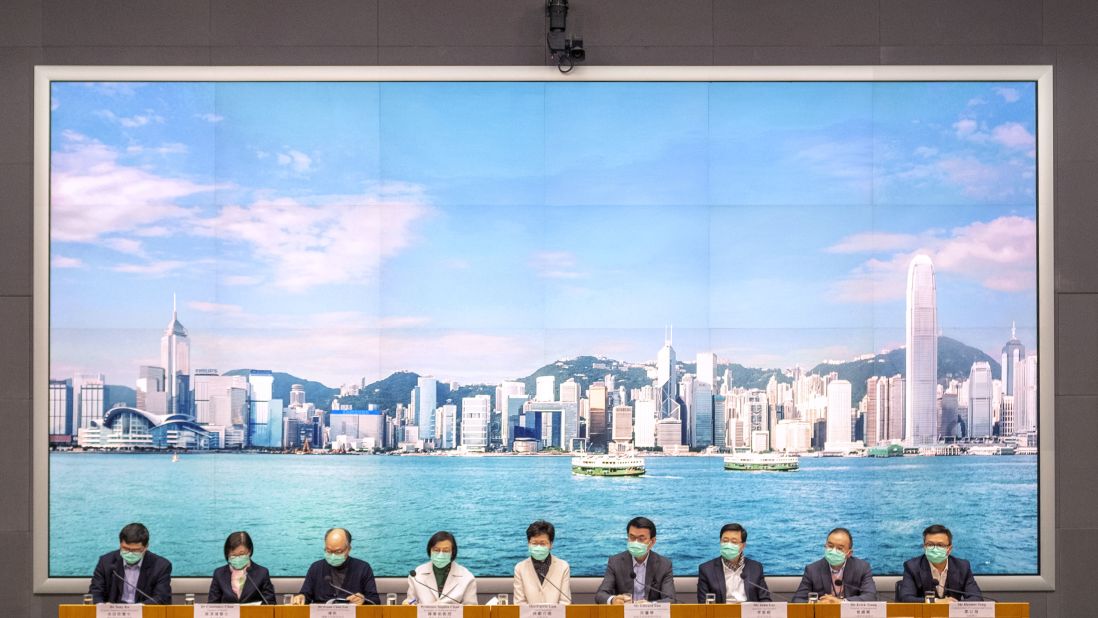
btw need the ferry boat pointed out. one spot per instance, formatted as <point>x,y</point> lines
<point>608,465</point>
<point>991,450</point>
<point>762,462</point>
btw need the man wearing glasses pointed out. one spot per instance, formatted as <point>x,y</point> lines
<point>937,572</point>
<point>637,574</point>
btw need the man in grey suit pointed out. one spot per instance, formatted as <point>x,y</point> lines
<point>838,575</point>
<point>637,574</point>
<point>732,577</point>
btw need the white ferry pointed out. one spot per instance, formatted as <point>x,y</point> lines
<point>594,464</point>
<point>762,462</point>
<point>991,449</point>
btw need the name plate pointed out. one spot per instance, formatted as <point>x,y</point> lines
<point>863,609</point>
<point>541,610</point>
<point>332,611</point>
<point>117,610</point>
<point>972,609</point>
<point>777,609</point>
<point>647,610</point>
<point>438,610</point>
<point>216,610</point>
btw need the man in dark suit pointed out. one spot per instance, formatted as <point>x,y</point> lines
<point>838,575</point>
<point>733,577</point>
<point>338,575</point>
<point>132,574</point>
<point>637,574</point>
<point>937,571</point>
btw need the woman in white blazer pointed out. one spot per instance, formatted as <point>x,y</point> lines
<point>542,578</point>
<point>441,580</point>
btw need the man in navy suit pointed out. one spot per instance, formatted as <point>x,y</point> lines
<point>937,571</point>
<point>338,575</point>
<point>733,577</point>
<point>637,574</point>
<point>838,575</point>
<point>132,574</point>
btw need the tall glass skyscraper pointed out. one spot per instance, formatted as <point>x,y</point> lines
<point>175,356</point>
<point>921,418</point>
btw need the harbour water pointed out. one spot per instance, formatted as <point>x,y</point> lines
<point>393,504</point>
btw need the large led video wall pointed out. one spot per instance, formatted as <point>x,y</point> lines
<point>408,306</point>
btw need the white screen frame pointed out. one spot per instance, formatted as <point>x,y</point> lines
<point>1042,75</point>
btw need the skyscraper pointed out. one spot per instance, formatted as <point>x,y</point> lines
<point>61,408</point>
<point>474,422</point>
<point>1013,353</point>
<point>838,412</point>
<point>702,416</point>
<point>175,358</point>
<point>667,380</point>
<point>596,420</point>
<point>707,368</point>
<point>979,397</point>
<point>91,399</point>
<point>426,402</point>
<point>921,380</point>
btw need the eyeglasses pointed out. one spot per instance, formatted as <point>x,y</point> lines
<point>638,539</point>
<point>938,545</point>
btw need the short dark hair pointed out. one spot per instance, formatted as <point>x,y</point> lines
<point>735,528</point>
<point>938,529</point>
<point>641,522</point>
<point>345,532</point>
<point>540,527</point>
<point>135,533</point>
<point>237,539</point>
<point>844,531</point>
<point>440,536</point>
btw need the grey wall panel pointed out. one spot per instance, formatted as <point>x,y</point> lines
<point>15,486</point>
<point>126,22</point>
<point>443,23</point>
<point>294,22</point>
<point>1076,225</point>
<point>1076,435</point>
<point>17,77</point>
<point>1076,344</point>
<point>506,32</point>
<point>17,213</point>
<point>945,22</point>
<point>20,23</point>
<point>15,361</point>
<point>796,23</point>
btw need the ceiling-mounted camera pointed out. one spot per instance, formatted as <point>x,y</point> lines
<point>567,51</point>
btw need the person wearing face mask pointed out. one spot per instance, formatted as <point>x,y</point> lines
<point>542,578</point>
<point>733,577</point>
<point>236,581</point>
<point>441,580</point>
<point>637,574</point>
<point>838,576</point>
<point>338,576</point>
<point>122,576</point>
<point>937,571</point>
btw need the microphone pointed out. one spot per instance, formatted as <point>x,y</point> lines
<point>566,596</point>
<point>349,593</point>
<point>835,585</point>
<point>633,576</point>
<point>262,598</point>
<point>140,591</point>
<point>438,593</point>
<point>765,589</point>
<point>983,597</point>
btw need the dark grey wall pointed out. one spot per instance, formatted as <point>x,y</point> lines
<point>1063,33</point>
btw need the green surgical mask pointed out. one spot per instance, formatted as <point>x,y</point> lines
<point>637,549</point>
<point>936,555</point>
<point>538,552</point>
<point>240,562</point>
<point>441,559</point>
<point>132,557</point>
<point>730,551</point>
<point>336,560</point>
<point>834,557</point>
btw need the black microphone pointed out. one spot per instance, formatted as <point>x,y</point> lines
<point>439,593</point>
<point>633,576</point>
<point>567,596</point>
<point>142,592</point>
<point>983,597</point>
<point>765,589</point>
<point>328,579</point>
<point>262,599</point>
<point>838,583</point>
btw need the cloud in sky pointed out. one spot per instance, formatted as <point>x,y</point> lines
<point>296,160</point>
<point>211,117</point>
<point>338,239</point>
<point>1000,255</point>
<point>555,265</point>
<point>61,261</point>
<point>1010,95</point>
<point>156,268</point>
<point>131,122</point>
<point>93,194</point>
<point>219,308</point>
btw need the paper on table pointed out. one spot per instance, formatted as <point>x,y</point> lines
<point>647,610</point>
<point>972,609</point>
<point>541,610</point>
<point>117,610</point>
<point>216,610</point>
<point>863,609</point>
<point>777,609</point>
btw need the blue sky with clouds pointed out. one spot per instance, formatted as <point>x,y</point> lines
<point>477,231</point>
